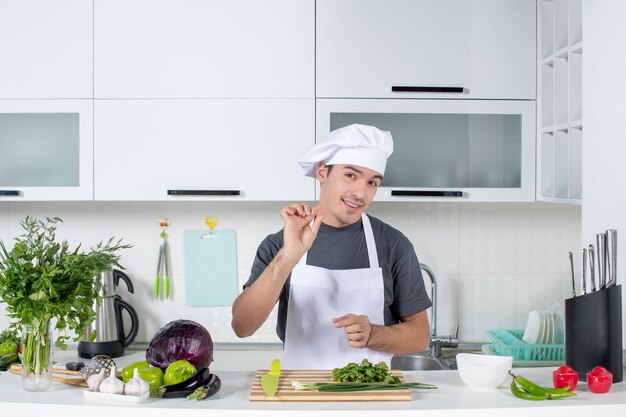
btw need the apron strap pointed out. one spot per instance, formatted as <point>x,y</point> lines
<point>369,240</point>
<point>372,253</point>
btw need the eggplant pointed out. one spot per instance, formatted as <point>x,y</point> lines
<point>208,390</point>
<point>183,388</point>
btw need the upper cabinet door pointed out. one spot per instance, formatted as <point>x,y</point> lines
<point>190,150</point>
<point>483,49</point>
<point>46,49</point>
<point>46,150</point>
<point>204,49</point>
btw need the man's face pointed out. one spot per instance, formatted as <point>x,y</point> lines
<point>346,192</point>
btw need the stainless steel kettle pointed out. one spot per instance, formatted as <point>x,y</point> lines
<point>111,337</point>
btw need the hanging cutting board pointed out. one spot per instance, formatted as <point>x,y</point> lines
<point>210,267</point>
<point>286,392</point>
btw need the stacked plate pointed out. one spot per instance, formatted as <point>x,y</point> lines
<point>541,328</point>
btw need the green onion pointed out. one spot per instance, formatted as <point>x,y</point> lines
<point>357,386</point>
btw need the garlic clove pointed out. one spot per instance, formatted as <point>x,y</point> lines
<point>94,381</point>
<point>136,386</point>
<point>112,385</point>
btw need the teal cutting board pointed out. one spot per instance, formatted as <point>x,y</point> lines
<point>210,268</point>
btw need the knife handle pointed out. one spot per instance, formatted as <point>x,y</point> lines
<point>601,258</point>
<point>571,272</point>
<point>592,268</point>
<point>611,256</point>
<point>583,284</point>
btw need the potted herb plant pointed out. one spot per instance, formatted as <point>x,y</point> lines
<point>46,285</point>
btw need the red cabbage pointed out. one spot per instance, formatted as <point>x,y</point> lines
<point>180,340</point>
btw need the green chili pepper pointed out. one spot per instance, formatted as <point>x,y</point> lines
<point>525,395</point>
<point>523,388</point>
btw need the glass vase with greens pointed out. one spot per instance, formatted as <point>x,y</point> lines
<point>47,286</point>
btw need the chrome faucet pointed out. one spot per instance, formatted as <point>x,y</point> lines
<point>436,341</point>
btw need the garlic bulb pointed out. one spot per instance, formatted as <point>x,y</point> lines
<point>112,385</point>
<point>136,386</point>
<point>94,381</point>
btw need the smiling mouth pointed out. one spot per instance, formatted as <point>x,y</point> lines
<point>352,204</point>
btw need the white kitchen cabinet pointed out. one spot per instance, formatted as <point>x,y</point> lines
<point>204,49</point>
<point>46,150</point>
<point>447,150</point>
<point>46,49</point>
<point>560,117</point>
<point>186,150</point>
<point>484,48</point>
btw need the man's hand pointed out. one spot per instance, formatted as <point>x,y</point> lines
<point>357,328</point>
<point>299,234</point>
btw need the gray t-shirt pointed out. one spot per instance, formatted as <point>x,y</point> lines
<point>345,248</point>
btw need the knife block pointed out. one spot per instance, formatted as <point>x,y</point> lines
<point>593,332</point>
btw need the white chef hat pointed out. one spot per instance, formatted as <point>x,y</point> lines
<point>356,144</point>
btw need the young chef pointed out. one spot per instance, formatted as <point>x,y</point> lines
<point>349,286</point>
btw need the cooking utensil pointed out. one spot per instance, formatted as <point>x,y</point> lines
<point>592,268</point>
<point>163,266</point>
<point>611,257</point>
<point>111,335</point>
<point>571,272</point>
<point>96,364</point>
<point>601,259</point>
<point>210,267</point>
<point>583,285</point>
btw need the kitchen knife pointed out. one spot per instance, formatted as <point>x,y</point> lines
<point>611,257</point>
<point>601,259</point>
<point>571,271</point>
<point>592,268</point>
<point>583,285</point>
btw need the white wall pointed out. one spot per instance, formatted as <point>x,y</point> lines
<point>604,146</point>
<point>494,261</point>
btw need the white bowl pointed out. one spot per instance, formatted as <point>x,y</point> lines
<point>483,371</point>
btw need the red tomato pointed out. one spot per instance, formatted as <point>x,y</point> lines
<point>565,376</point>
<point>599,380</point>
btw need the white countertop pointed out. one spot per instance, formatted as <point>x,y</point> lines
<point>452,398</point>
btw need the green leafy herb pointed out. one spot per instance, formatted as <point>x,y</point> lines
<point>365,372</point>
<point>9,336</point>
<point>357,386</point>
<point>42,279</point>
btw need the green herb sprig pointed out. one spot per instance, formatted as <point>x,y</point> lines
<point>364,372</point>
<point>357,386</point>
<point>43,280</point>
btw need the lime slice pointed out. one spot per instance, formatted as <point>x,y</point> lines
<point>275,367</point>
<point>269,384</point>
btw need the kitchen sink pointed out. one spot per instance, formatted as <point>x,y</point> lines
<point>419,362</point>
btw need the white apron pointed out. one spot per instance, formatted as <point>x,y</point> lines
<point>316,296</point>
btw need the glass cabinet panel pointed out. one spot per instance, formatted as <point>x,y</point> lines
<point>448,150</point>
<point>39,149</point>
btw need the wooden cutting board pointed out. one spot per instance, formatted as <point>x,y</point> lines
<point>288,393</point>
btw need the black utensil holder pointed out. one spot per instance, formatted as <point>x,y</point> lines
<point>593,332</point>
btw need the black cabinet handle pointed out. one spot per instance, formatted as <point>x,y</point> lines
<point>182,193</point>
<point>416,193</point>
<point>10,193</point>
<point>425,89</point>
